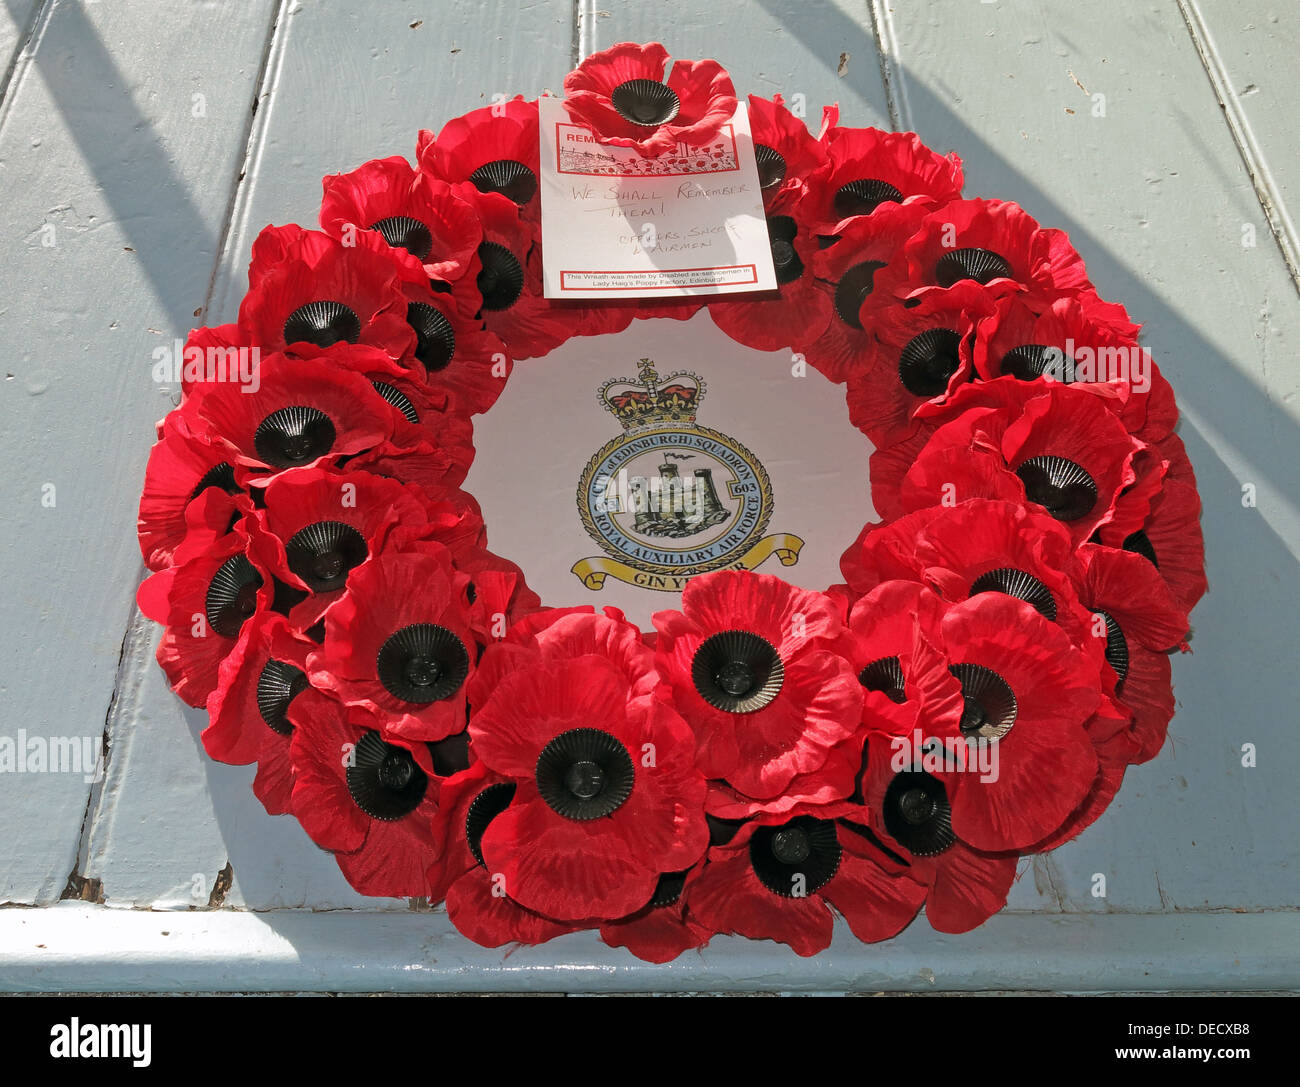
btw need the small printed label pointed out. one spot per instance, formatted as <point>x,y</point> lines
<point>617,225</point>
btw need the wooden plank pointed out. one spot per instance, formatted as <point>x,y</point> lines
<point>1154,194</point>
<point>120,142</point>
<point>88,949</point>
<point>17,19</point>
<point>357,81</point>
<point>1248,50</point>
<point>345,83</point>
<point>824,50</point>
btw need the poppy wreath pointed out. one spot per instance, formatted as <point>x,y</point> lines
<point>767,757</point>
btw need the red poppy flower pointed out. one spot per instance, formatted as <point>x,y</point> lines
<point>560,634</point>
<point>607,795</point>
<point>661,929</point>
<point>888,631</point>
<point>1169,536</point>
<point>397,644</point>
<point>366,799</point>
<point>924,356</point>
<point>779,879</point>
<point>415,220</point>
<point>495,149</point>
<point>498,594</point>
<point>510,283</point>
<point>849,272</point>
<point>621,96</point>
<point>454,353</point>
<point>801,309</point>
<point>247,713</point>
<point>753,668</point>
<point>319,292</point>
<point>1113,754</point>
<point>205,599</point>
<point>866,168</point>
<point>181,467</point>
<point>981,546</point>
<point>993,242</point>
<point>1026,694</point>
<point>786,151</point>
<point>1072,341</point>
<point>1139,622</point>
<point>304,413</point>
<point>911,815</point>
<point>1051,444</point>
<point>322,526</point>
<point>468,802</point>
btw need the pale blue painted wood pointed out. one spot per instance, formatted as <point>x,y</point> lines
<point>119,146</point>
<point>77,947</point>
<point>1249,49</point>
<point>346,83</point>
<point>1154,195</point>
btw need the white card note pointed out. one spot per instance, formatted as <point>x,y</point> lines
<point>616,225</point>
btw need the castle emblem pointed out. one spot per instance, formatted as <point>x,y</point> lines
<point>668,498</point>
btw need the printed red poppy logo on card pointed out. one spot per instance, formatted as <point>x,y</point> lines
<point>856,590</point>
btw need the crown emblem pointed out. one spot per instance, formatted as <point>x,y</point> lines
<point>649,400</point>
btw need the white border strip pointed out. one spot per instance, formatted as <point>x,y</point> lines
<point>75,947</point>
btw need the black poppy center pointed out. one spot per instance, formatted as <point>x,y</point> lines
<point>294,436</point>
<point>1140,544</point>
<point>397,770</point>
<point>278,684</point>
<point>886,676</point>
<point>422,672</point>
<point>422,663</point>
<point>790,845</point>
<point>511,179</point>
<point>219,475</point>
<point>584,773</point>
<point>585,780</point>
<point>322,324</point>
<point>781,231</point>
<point>737,671</point>
<point>232,595</point>
<point>403,232</point>
<point>990,707</point>
<point>1032,360</point>
<point>383,779</point>
<point>852,290</point>
<point>501,280</point>
<point>645,102</point>
<point>981,265</point>
<point>1116,646</point>
<point>929,360</point>
<point>917,814</point>
<point>1019,584</point>
<point>916,806</point>
<point>1064,488</point>
<point>324,553</point>
<point>863,196</point>
<point>771,166</point>
<point>398,399</point>
<point>795,859</point>
<point>435,339</point>
<point>736,678</point>
<point>485,807</point>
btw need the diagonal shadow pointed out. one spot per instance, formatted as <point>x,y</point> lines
<point>149,201</point>
<point>1192,364</point>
